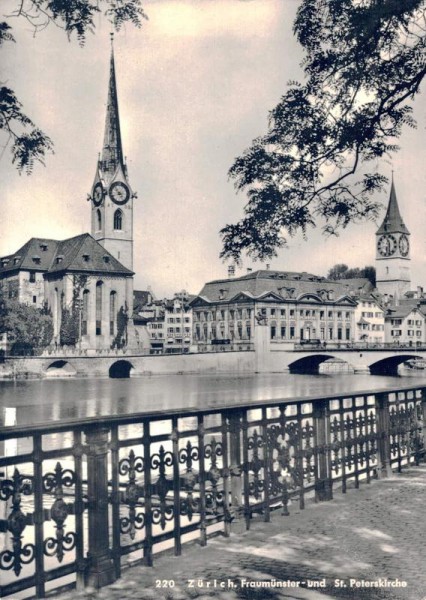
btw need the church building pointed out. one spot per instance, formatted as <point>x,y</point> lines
<point>90,275</point>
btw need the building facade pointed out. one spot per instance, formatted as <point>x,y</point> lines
<point>298,307</point>
<point>369,320</point>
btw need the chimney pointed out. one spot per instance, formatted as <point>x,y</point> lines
<point>231,271</point>
<point>249,269</point>
<point>419,291</point>
<point>267,266</point>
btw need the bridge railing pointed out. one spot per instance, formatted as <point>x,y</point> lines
<point>327,346</point>
<point>79,499</point>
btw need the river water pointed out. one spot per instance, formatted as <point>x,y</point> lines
<point>48,400</point>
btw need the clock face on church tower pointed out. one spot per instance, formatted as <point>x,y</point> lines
<point>386,245</point>
<point>119,192</point>
<point>404,245</point>
<point>98,194</point>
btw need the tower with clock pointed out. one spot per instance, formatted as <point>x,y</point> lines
<point>112,197</point>
<point>393,252</point>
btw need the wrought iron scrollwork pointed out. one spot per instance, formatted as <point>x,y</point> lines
<point>54,483</point>
<point>163,513</point>
<point>214,495</point>
<point>15,488</point>
<point>189,480</point>
<point>134,521</point>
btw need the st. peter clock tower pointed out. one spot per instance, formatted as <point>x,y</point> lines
<point>393,252</point>
<point>111,196</point>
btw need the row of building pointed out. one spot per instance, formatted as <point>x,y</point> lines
<point>298,308</point>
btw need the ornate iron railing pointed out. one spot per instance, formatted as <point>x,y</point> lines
<point>77,498</point>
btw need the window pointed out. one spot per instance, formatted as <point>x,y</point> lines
<point>99,308</point>
<point>330,333</point>
<point>291,312</point>
<point>348,334</point>
<point>85,312</point>
<point>418,323</point>
<point>301,313</point>
<point>34,299</point>
<point>410,333</point>
<point>118,219</point>
<point>272,312</point>
<point>330,314</point>
<point>418,333</point>
<point>112,311</point>
<point>322,314</point>
<point>348,315</point>
<point>98,220</point>
<point>32,277</point>
<point>339,333</point>
<point>292,333</point>
<point>339,314</point>
<point>283,331</point>
<point>283,312</point>
<point>273,332</point>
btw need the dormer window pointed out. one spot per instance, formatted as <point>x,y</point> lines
<point>43,247</point>
<point>59,258</point>
<point>86,257</point>
<point>4,262</point>
<point>222,294</point>
<point>16,260</point>
<point>36,260</point>
<point>106,258</point>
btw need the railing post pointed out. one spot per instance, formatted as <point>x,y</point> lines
<point>100,570</point>
<point>236,508</point>
<point>383,435</point>
<point>323,482</point>
<point>423,416</point>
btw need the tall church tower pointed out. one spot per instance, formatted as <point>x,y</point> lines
<point>112,197</point>
<point>393,252</point>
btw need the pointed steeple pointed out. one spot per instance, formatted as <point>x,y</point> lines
<point>393,223</point>
<point>112,151</point>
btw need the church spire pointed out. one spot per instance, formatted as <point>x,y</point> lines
<point>112,151</point>
<point>393,223</point>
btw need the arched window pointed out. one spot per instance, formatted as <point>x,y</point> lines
<point>98,220</point>
<point>85,312</point>
<point>118,219</point>
<point>112,311</point>
<point>99,308</point>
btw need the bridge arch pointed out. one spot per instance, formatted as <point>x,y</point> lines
<point>60,368</point>
<point>310,364</point>
<point>120,369</point>
<point>389,365</point>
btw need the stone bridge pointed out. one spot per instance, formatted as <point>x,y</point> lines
<point>376,362</point>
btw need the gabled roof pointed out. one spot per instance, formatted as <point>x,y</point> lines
<point>36,255</point>
<point>79,253</point>
<point>403,310</point>
<point>260,283</point>
<point>393,223</point>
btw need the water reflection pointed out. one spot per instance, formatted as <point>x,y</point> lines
<point>43,401</point>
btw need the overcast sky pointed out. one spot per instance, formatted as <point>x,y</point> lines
<point>195,86</point>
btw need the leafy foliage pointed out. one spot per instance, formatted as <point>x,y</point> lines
<point>25,325</point>
<point>28,143</point>
<point>69,330</point>
<point>342,271</point>
<point>120,340</point>
<point>364,61</point>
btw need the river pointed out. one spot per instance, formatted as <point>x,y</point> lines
<point>49,400</point>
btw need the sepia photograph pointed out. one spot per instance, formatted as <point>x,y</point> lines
<point>212,299</point>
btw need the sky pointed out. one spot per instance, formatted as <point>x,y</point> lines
<point>195,86</point>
